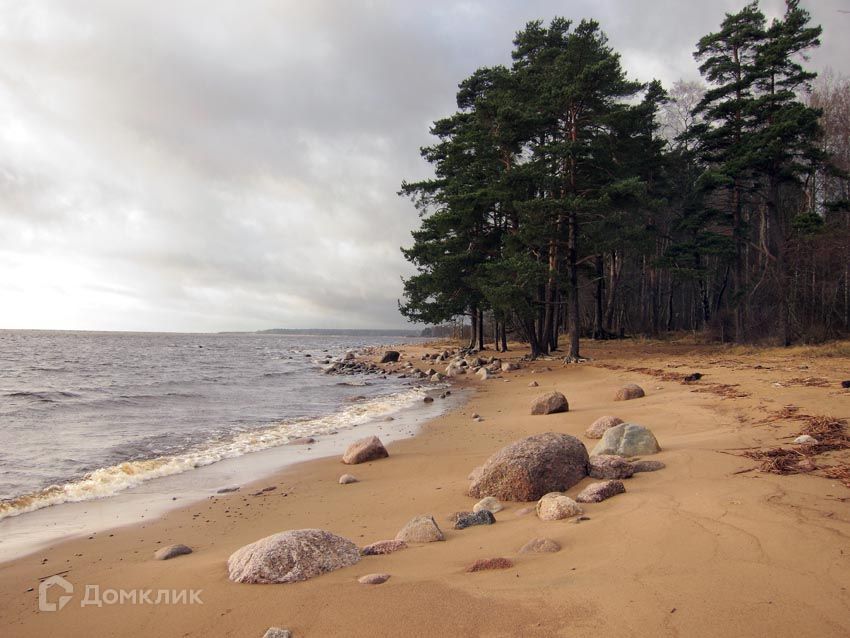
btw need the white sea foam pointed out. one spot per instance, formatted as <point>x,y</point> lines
<point>117,478</point>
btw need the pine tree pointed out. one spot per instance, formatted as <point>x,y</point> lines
<point>574,90</point>
<point>725,141</point>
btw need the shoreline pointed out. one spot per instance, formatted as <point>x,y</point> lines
<point>30,531</point>
<point>751,537</point>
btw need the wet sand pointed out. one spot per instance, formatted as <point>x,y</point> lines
<point>708,546</point>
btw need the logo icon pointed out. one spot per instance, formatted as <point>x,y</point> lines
<point>45,585</point>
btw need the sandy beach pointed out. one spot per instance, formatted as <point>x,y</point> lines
<point>708,546</point>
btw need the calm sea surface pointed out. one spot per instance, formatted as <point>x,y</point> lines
<point>87,415</point>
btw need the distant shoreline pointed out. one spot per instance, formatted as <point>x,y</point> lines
<point>344,332</point>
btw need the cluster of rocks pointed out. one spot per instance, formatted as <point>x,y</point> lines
<point>389,363</point>
<point>537,468</point>
<point>468,362</point>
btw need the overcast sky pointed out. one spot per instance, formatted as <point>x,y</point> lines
<point>204,166</point>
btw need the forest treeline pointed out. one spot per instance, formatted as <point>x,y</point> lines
<point>570,199</point>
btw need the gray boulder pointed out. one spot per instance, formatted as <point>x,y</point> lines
<point>277,632</point>
<point>627,439</point>
<point>550,403</point>
<point>531,467</point>
<point>291,556</point>
<point>364,450</point>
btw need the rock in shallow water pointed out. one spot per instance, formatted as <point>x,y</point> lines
<point>609,466</point>
<point>291,556</point>
<point>365,450</point>
<point>598,492</point>
<point>540,546</point>
<point>554,507</point>
<point>380,548</point>
<point>627,439</point>
<point>550,403</point>
<point>345,479</point>
<point>421,529</point>
<point>531,467</point>
<point>390,356</point>
<point>164,553</point>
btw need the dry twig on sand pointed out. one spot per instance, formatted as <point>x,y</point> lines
<point>830,434</point>
<point>725,390</point>
<point>840,472</point>
<point>782,460</point>
<point>809,382</point>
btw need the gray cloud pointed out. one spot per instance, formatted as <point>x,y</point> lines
<point>223,165</point>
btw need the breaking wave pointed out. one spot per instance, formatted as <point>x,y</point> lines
<point>107,481</point>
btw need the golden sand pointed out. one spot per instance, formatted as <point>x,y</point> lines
<point>710,546</point>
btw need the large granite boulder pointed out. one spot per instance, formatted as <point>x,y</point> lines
<point>601,425</point>
<point>628,392</point>
<point>364,450</point>
<point>550,403</point>
<point>291,556</point>
<point>609,466</point>
<point>554,507</point>
<point>420,529</point>
<point>627,439</point>
<point>527,469</point>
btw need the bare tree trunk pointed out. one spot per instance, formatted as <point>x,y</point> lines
<point>473,316</point>
<point>480,330</point>
<point>572,302</point>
